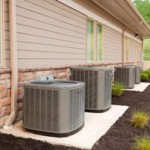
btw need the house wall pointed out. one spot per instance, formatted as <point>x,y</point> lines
<point>112,46</point>
<point>6,34</point>
<point>4,96</point>
<point>49,34</point>
<point>52,34</point>
<point>50,37</point>
<point>91,10</point>
<point>5,76</point>
<point>135,49</point>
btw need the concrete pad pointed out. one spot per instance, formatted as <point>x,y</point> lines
<point>96,125</point>
<point>139,87</point>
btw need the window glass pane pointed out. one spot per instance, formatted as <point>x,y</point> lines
<point>99,42</point>
<point>90,40</point>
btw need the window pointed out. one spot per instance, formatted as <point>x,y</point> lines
<point>94,41</point>
<point>99,42</point>
<point>90,40</point>
<point>1,35</point>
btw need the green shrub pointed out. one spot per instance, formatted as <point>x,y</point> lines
<point>147,72</point>
<point>142,143</point>
<point>117,89</point>
<point>140,119</point>
<point>144,76</point>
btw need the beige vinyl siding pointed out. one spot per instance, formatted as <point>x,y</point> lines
<point>140,52</point>
<point>49,34</point>
<point>133,50</point>
<point>94,12</point>
<point>111,46</point>
<point>139,47</point>
<point>6,35</point>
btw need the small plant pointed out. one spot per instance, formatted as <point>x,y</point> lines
<point>144,76</point>
<point>142,143</point>
<point>147,72</point>
<point>117,89</point>
<point>140,119</point>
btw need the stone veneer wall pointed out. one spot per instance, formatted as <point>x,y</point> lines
<point>26,75</point>
<point>4,96</point>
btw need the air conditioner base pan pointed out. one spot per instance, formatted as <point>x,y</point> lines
<point>55,134</point>
<point>97,110</point>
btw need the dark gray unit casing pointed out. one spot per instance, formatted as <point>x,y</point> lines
<point>137,74</point>
<point>97,86</point>
<point>55,107</point>
<point>125,75</point>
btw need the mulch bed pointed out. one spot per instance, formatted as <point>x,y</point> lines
<point>119,137</point>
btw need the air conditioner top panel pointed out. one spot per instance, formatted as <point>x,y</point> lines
<point>79,67</point>
<point>136,66</point>
<point>91,68</point>
<point>55,84</point>
<point>125,67</point>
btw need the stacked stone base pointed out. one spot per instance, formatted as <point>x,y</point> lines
<point>5,98</point>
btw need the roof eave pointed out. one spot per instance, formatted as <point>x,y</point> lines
<point>142,23</point>
<point>141,17</point>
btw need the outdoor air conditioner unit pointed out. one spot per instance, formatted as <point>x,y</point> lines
<point>54,107</point>
<point>137,74</point>
<point>125,75</point>
<point>97,86</point>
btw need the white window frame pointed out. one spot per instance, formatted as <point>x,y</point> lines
<point>95,38</point>
<point>2,56</point>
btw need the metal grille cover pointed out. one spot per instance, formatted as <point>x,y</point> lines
<point>54,107</point>
<point>137,74</point>
<point>98,86</point>
<point>125,75</point>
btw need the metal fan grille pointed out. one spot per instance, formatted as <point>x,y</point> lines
<point>76,107</point>
<point>126,76</point>
<point>41,109</point>
<point>91,80</point>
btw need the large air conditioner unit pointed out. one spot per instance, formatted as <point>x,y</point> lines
<point>54,107</point>
<point>125,75</point>
<point>137,74</point>
<point>97,86</point>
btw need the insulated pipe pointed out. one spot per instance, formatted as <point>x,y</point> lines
<point>14,64</point>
